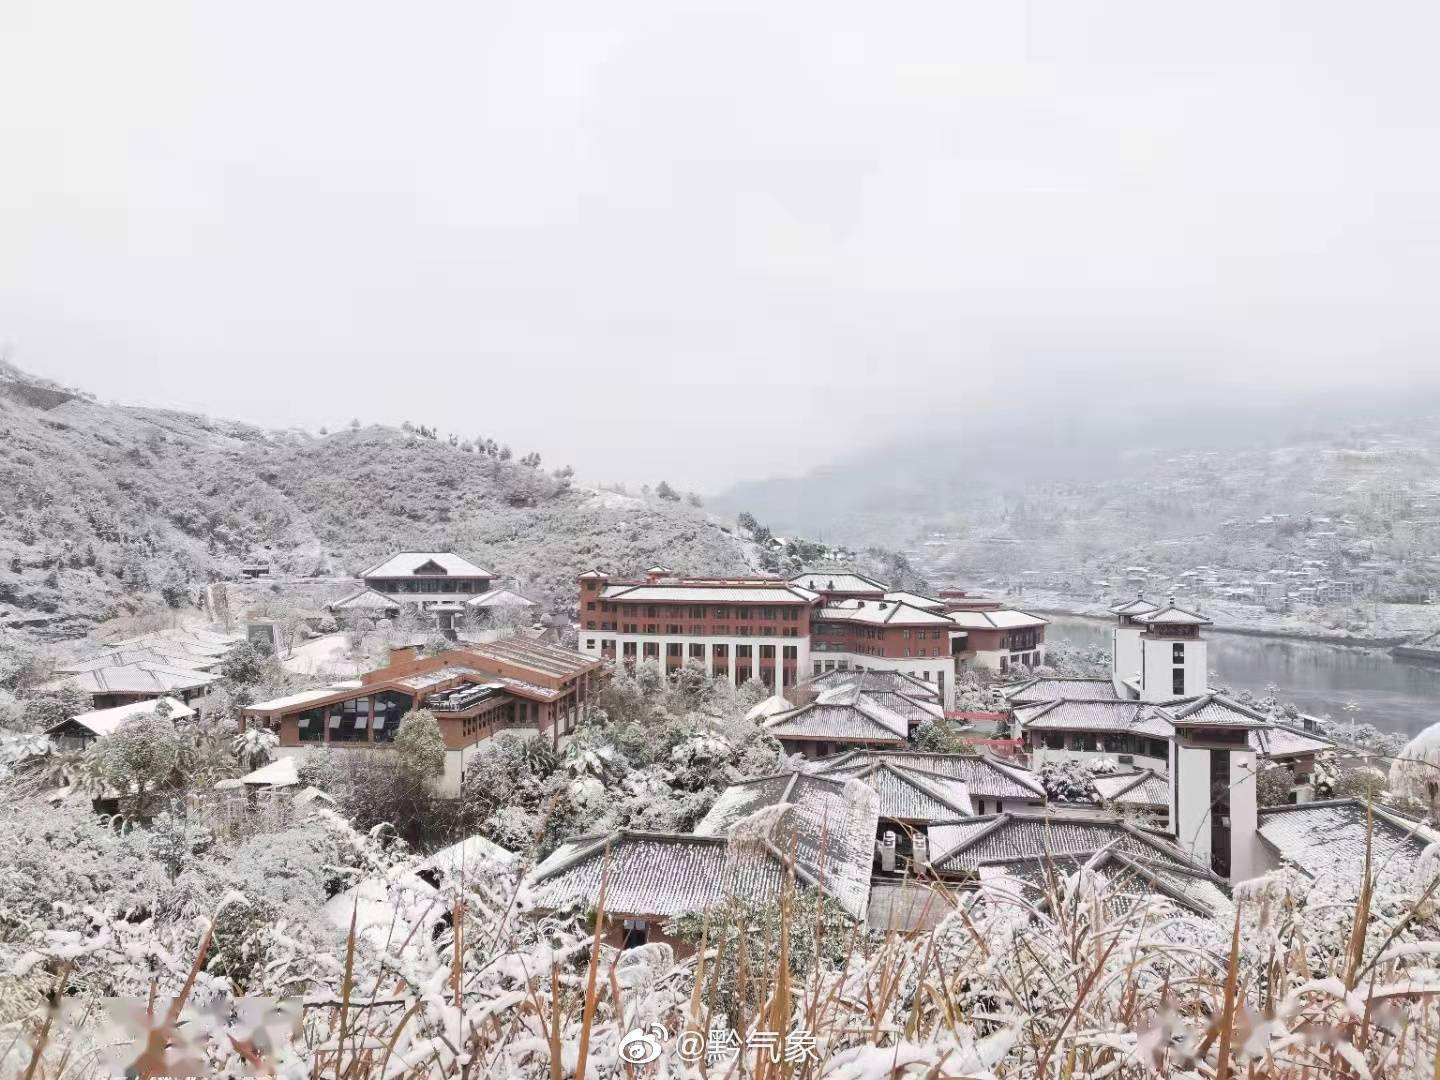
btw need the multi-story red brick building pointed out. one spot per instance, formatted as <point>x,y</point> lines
<point>776,631</point>
<point>475,691</point>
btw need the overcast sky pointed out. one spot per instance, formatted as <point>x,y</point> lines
<point>713,241</point>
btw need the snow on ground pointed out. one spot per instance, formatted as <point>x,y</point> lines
<point>326,655</point>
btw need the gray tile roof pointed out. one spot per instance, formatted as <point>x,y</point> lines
<point>838,582</point>
<point>1281,741</point>
<point>982,775</point>
<point>1327,839</point>
<point>652,874</point>
<point>999,619</point>
<point>912,795</point>
<point>1056,689</point>
<point>1127,878</point>
<point>965,846</point>
<point>839,714</point>
<point>1171,615</point>
<point>829,827</point>
<point>683,593</point>
<point>1123,717</point>
<point>1214,710</point>
<point>1144,788</point>
<point>406,563</point>
<point>880,612</point>
<point>873,682</point>
<point>1138,606</point>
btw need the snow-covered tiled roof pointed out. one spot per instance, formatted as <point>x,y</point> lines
<point>364,600</point>
<point>826,723</point>
<point>173,656</point>
<point>1126,878</point>
<point>1144,788</point>
<point>830,581</point>
<point>879,612</point>
<point>292,701</point>
<point>1138,606</point>
<point>660,875</point>
<point>538,656</point>
<point>1280,741</point>
<point>425,679</point>
<point>201,641</point>
<point>829,826</point>
<point>682,593</point>
<point>1057,689</point>
<point>873,682</point>
<point>1123,717</point>
<point>915,796</point>
<point>105,721</point>
<point>426,564</point>
<point>963,847</point>
<point>841,713</point>
<point>927,603</point>
<point>499,598</point>
<point>1214,710</point>
<point>1327,839</point>
<point>282,772</point>
<point>999,619</point>
<point>1172,615</point>
<point>983,776</point>
<point>138,678</point>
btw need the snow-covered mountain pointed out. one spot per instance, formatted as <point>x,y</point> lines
<point>102,505</point>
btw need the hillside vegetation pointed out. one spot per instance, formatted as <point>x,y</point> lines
<point>103,507</point>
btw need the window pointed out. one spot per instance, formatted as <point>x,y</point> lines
<point>590,606</point>
<point>792,652</point>
<point>652,650</point>
<point>720,651</point>
<point>652,628</point>
<point>628,649</point>
<point>311,724</point>
<point>607,645</point>
<point>722,613</point>
<point>767,652</point>
<point>651,611</point>
<point>697,613</point>
<point>1177,682</point>
<point>1177,653</point>
<point>673,649</point>
<point>590,643</point>
<point>742,652</point>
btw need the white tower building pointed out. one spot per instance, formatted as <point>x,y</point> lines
<point>1213,801</point>
<point>1173,663</point>
<point>1125,645</point>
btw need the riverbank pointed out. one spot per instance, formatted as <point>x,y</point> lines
<point>1349,640</point>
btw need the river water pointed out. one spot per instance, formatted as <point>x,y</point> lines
<point>1320,679</point>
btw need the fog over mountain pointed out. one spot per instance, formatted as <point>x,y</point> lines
<point>894,492</point>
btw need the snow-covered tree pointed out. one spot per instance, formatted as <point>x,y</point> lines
<point>419,746</point>
<point>141,755</point>
<point>1415,772</point>
<point>254,746</point>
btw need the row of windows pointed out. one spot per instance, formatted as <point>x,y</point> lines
<point>675,630</point>
<point>695,651</point>
<point>938,633</point>
<point>1111,743</point>
<point>652,611</point>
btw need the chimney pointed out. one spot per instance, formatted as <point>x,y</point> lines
<point>887,852</point>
